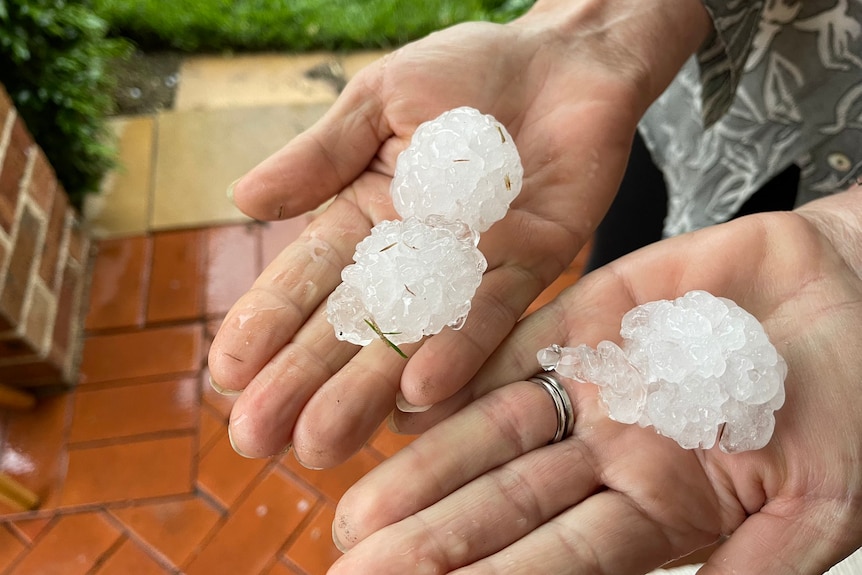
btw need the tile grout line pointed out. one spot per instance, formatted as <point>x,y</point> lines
<point>130,535</point>
<point>151,189</point>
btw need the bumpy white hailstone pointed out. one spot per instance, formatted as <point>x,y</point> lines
<point>686,367</point>
<point>410,279</point>
<point>463,165</point>
<point>414,277</point>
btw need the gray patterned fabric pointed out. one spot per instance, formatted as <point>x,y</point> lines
<point>780,82</point>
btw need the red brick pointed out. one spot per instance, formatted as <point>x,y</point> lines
<point>43,182</point>
<point>38,318</point>
<point>68,306</point>
<point>53,239</point>
<point>11,173</point>
<point>78,242</point>
<point>18,274</point>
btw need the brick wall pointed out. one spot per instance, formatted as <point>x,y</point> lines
<point>44,259</point>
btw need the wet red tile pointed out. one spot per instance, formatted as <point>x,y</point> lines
<point>211,424</point>
<point>130,559</point>
<point>221,404</point>
<point>388,442</point>
<point>175,529</point>
<point>177,279</point>
<point>134,410</point>
<point>232,265</point>
<point>313,549</point>
<point>259,527</point>
<point>118,289</point>
<point>129,471</point>
<point>72,546</point>
<point>30,529</point>
<point>148,352</point>
<point>34,452</point>
<point>335,481</point>
<point>224,474</point>
<point>280,568</point>
<point>10,548</point>
<point>275,236</point>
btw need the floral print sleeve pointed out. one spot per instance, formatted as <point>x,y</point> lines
<point>723,57</point>
<point>779,83</point>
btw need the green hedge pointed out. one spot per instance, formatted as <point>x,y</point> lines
<point>59,82</point>
<point>297,25</point>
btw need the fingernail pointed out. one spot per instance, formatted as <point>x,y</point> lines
<point>230,189</point>
<point>286,449</point>
<point>390,423</point>
<point>296,455</point>
<point>407,407</point>
<point>338,544</point>
<point>235,448</point>
<point>222,391</point>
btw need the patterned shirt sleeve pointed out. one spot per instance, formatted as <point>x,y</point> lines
<point>722,57</point>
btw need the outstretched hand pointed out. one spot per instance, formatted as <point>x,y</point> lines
<point>570,98</point>
<point>482,492</point>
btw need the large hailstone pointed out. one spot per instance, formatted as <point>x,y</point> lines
<point>463,165</point>
<point>687,367</point>
<point>414,277</point>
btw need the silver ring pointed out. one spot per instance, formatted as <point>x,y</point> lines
<point>562,403</point>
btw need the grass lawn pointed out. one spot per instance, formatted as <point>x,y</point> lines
<point>295,25</point>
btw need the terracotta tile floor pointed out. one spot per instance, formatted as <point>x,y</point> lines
<point>134,467</point>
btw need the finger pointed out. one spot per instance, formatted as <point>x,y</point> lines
<point>481,518</point>
<point>494,430</point>
<point>263,418</point>
<point>346,410</point>
<point>606,533</point>
<point>293,286</point>
<point>510,362</point>
<point>321,161</point>
<point>808,539</point>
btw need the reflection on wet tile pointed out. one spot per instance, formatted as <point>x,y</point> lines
<point>314,550</point>
<point>175,528</point>
<point>147,352</point>
<point>10,548</point>
<point>130,559</point>
<point>34,452</point>
<point>258,528</point>
<point>72,546</point>
<point>117,290</point>
<point>224,474</point>
<point>129,471</point>
<point>134,410</point>
<point>177,279</point>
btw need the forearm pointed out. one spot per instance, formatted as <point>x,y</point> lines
<point>839,219</point>
<point>646,42</point>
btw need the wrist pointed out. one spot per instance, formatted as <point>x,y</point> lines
<point>838,218</point>
<point>646,43</point>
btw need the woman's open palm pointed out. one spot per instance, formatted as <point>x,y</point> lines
<point>481,492</point>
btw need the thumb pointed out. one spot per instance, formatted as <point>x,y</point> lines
<point>809,541</point>
<point>321,161</point>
